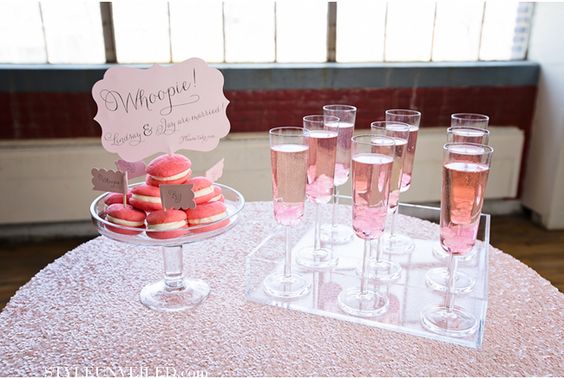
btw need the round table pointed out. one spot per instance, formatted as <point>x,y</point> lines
<point>81,316</point>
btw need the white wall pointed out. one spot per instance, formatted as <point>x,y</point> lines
<point>49,180</point>
<point>543,190</point>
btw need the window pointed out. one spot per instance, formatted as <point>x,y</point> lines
<point>73,32</point>
<point>141,31</point>
<point>409,31</point>
<point>458,25</point>
<point>239,31</point>
<point>356,21</point>
<point>249,31</point>
<point>191,19</point>
<point>301,31</point>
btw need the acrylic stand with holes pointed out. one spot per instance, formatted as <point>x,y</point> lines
<point>408,295</point>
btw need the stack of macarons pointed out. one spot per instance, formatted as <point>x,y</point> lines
<point>144,199</point>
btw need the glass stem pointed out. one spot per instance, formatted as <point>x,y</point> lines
<point>288,254</point>
<point>173,267</point>
<point>317,234</point>
<point>452,264</point>
<point>363,275</point>
<point>393,221</point>
<point>335,203</point>
<point>378,251</point>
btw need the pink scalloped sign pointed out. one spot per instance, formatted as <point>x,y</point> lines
<point>161,109</point>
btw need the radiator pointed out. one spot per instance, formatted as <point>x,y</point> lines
<point>49,180</point>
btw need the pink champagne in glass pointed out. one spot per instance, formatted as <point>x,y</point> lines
<point>372,162</point>
<point>343,161</point>
<point>409,158</point>
<point>463,190</point>
<point>289,166</point>
<point>372,172</point>
<point>457,134</point>
<point>289,154</point>
<point>321,166</point>
<point>399,132</point>
<point>322,143</point>
<point>412,118</point>
<point>398,243</point>
<point>334,232</point>
<point>465,173</point>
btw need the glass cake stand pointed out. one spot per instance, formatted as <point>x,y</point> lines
<point>174,292</point>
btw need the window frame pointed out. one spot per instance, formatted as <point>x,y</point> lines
<point>521,38</point>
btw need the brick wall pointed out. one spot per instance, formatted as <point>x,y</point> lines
<point>25,115</point>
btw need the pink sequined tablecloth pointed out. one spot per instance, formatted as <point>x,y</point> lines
<point>81,314</point>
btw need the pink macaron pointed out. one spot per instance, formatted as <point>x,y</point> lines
<point>207,213</point>
<point>202,188</point>
<point>166,224</point>
<point>155,183</point>
<point>146,198</point>
<point>116,198</point>
<point>168,169</point>
<point>217,195</point>
<point>125,216</point>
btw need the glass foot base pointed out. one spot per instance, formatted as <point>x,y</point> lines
<point>384,271</point>
<point>397,244</point>
<point>457,323</point>
<point>437,279</point>
<point>441,254</point>
<point>369,304</point>
<point>277,285</point>
<point>320,259</point>
<point>337,234</point>
<point>189,294</point>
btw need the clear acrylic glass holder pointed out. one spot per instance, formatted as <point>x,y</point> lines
<point>408,295</point>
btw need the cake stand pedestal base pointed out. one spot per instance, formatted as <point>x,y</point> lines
<point>189,293</point>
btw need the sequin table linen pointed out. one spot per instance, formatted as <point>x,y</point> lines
<point>82,312</point>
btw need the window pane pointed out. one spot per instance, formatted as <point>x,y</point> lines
<point>141,31</point>
<point>301,31</point>
<point>249,31</point>
<point>457,30</point>
<point>522,31</point>
<point>498,30</point>
<point>21,32</point>
<point>73,31</point>
<point>360,31</point>
<point>196,30</point>
<point>409,30</point>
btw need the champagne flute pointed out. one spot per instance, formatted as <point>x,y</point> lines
<point>322,132</point>
<point>396,243</point>
<point>372,161</point>
<point>338,233</point>
<point>437,278</point>
<point>475,120</point>
<point>468,134</point>
<point>385,270</point>
<point>465,174</point>
<point>289,155</point>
